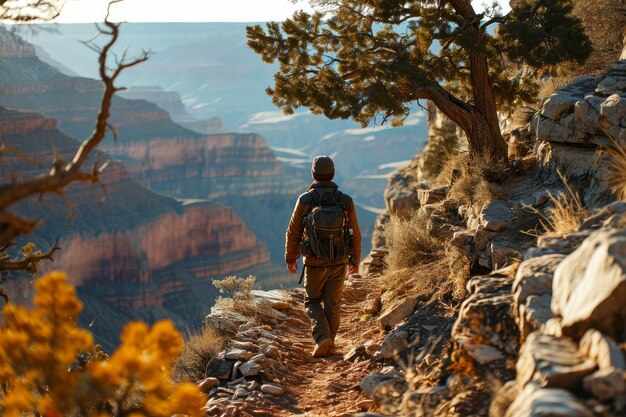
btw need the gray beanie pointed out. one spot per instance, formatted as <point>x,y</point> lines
<point>323,166</point>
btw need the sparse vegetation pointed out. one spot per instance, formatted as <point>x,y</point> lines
<point>566,214</point>
<point>473,186</point>
<point>51,367</point>
<point>411,242</point>
<point>198,351</point>
<point>616,159</point>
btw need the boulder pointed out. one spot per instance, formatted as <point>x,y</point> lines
<point>250,368</point>
<point>552,362</point>
<point>497,216</point>
<point>383,386</point>
<point>602,350</point>
<point>589,286</point>
<point>486,316</point>
<point>534,277</point>
<point>394,343</point>
<point>482,238</point>
<point>533,401</point>
<point>483,354</point>
<point>219,368</point>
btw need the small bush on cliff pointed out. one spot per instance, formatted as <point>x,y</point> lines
<point>198,351</point>
<point>235,287</point>
<point>47,365</point>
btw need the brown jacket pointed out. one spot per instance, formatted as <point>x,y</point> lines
<point>295,229</point>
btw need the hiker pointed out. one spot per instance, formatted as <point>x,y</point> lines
<point>324,230</point>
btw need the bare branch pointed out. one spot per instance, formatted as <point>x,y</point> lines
<point>29,262</point>
<point>63,173</point>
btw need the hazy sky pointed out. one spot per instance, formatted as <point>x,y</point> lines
<point>181,10</point>
<point>186,10</point>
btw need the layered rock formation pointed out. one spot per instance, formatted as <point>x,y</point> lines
<point>171,102</point>
<point>133,254</point>
<point>162,155</point>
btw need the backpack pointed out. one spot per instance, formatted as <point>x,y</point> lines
<point>326,228</point>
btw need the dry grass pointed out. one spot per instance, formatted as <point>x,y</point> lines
<point>410,243</point>
<point>565,216</point>
<point>616,160</point>
<point>198,351</point>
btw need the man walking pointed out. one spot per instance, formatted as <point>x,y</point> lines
<point>324,229</point>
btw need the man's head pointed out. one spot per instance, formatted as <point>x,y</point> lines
<point>323,168</point>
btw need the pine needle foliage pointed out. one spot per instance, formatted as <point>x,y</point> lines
<point>50,367</point>
<point>369,60</point>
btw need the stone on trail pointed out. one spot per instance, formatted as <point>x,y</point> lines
<point>241,392</point>
<point>208,383</point>
<point>552,362</point>
<point>250,369</point>
<point>272,389</point>
<point>534,401</point>
<point>589,286</point>
<point>238,354</point>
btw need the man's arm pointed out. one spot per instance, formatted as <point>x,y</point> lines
<point>293,236</point>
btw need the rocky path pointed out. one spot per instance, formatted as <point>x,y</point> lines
<point>328,386</point>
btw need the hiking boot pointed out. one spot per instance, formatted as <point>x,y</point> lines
<point>322,348</point>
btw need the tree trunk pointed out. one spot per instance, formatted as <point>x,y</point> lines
<point>483,135</point>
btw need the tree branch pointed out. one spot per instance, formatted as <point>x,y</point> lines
<point>62,174</point>
<point>28,262</point>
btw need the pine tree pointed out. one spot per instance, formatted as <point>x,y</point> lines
<point>361,59</point>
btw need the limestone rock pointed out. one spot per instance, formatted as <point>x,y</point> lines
<point>208,383</point>
<point>503,252</point>
<point>497,216</point>
<point>534,277</point>
<point>533,401</point>
<point>605,384</point>
<point>219,368</point>
<point>487,316</point>
<point>394,343</point>
<point>534,314</point>
<point>398,311</point>
<point>383,386</point>
<point>602,350</point>
<point>590,285</point>
<point>552,362</point>
<point>483,354</point>
<point>463,241</point>
<point>241,392</point>
<point>238,354</point>
<point>401,201</point>
<point>250,369</point>
<point>272,389</point>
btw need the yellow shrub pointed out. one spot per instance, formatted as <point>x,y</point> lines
<point>50,367</point>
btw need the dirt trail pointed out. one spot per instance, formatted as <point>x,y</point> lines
<point>328,386</point>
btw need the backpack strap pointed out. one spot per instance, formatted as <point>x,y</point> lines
<point>315,196</point>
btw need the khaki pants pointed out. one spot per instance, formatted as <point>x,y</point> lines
<point>324,289</point>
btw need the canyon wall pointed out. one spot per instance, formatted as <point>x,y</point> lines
<point>133,254</point>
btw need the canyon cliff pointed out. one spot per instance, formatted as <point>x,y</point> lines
<point>238,170</point>
<point>132,253</point>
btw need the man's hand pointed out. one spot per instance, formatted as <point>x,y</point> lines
<point>293,267</point>
<point>352,269</point>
